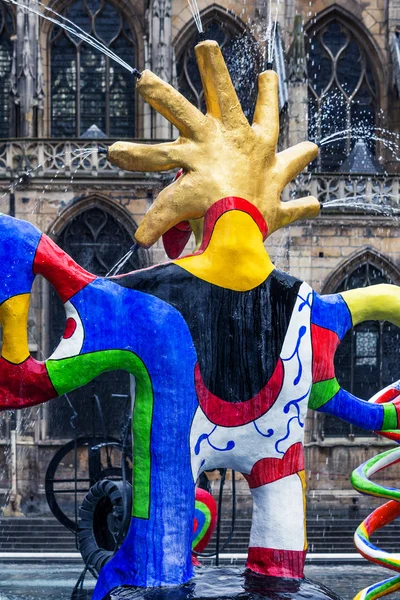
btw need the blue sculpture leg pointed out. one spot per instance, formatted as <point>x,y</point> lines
<point>157,549</point>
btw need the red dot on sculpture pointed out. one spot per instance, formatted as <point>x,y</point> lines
<point>70,327</point>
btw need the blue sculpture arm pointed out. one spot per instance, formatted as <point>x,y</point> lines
<point>332,316</point>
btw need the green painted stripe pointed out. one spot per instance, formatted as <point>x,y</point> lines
<point>389,417</point>
<point>206,511</point>
<point>386,587</point>
<point>141,434</point>
<point>70,373</point>
<point>363,485</point>
<point>322,392</point>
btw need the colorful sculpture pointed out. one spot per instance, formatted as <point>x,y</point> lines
<point>228,352</point>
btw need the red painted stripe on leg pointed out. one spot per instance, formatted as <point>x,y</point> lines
<point>277,563</point>
<point>268,470</point>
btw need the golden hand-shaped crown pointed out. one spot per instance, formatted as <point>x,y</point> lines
<point>220,153</point>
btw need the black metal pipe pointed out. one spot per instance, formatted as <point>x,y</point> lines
<point>12,202</point>
<point>221,490</point>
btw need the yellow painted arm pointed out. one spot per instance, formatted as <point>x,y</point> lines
<point>376,302</point>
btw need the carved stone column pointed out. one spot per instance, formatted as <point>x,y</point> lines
<point>298,86</point>
<point>27,76</point>
<point>160,60</point>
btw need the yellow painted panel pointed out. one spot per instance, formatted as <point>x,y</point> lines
<point>235,257</point>
<point>14,321</point>
<point>380,302</point>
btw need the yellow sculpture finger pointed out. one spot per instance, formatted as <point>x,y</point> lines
<point>294,210</point>
<point>266,114</point>
<point>171,104</point>
<point>177,202</point>
<point>294,160</point>
<point>220,95</point>
<point>376,302</point>
<point>147,157</point>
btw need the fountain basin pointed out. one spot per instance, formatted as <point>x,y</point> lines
<point>227,583</point>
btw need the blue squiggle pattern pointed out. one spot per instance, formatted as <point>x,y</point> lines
<point>302,332</point>
<point>306,301</point>
<point>286,409</point>
<point>295,403</point>
<point>287,434</point>
<point>269,433</point>
<point>206,436</point>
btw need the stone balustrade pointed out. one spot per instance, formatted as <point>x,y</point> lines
<point>48,158</point>
<point>352,191</point>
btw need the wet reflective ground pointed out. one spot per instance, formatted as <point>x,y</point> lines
<point>45,581</point>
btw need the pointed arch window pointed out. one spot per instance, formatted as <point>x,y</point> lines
<point>342,91</point>
<point>242,59</point>
<point>87,88</point>
<point>6,53</point>
<point>367,359</point>
<point>96,240</point>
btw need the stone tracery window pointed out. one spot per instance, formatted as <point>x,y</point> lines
<point>241,56</point>
<point>367,359</point>
<point>342,91</point>
<point>96,240</point>
<point>87,88</point>
<point>6,53</point>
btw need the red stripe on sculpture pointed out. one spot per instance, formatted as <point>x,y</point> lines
<point>232,414</point>
<point>387,396</point>
<point>207,505</point>
<point>277,563</point>
<point>268,470</point>
<point>64,274</point>
<point>26,384</point>
<point>224,205</point>
<point>324,343</point>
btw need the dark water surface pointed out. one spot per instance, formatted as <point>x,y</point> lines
<point>229,583</point>
<point>47,580</point>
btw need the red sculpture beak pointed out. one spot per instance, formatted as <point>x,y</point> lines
<point>176,238</point>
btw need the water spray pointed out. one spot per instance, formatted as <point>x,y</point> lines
<point>194,9</point>
<point>78,32</point>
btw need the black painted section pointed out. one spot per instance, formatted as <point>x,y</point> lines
<point>238,336</point>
